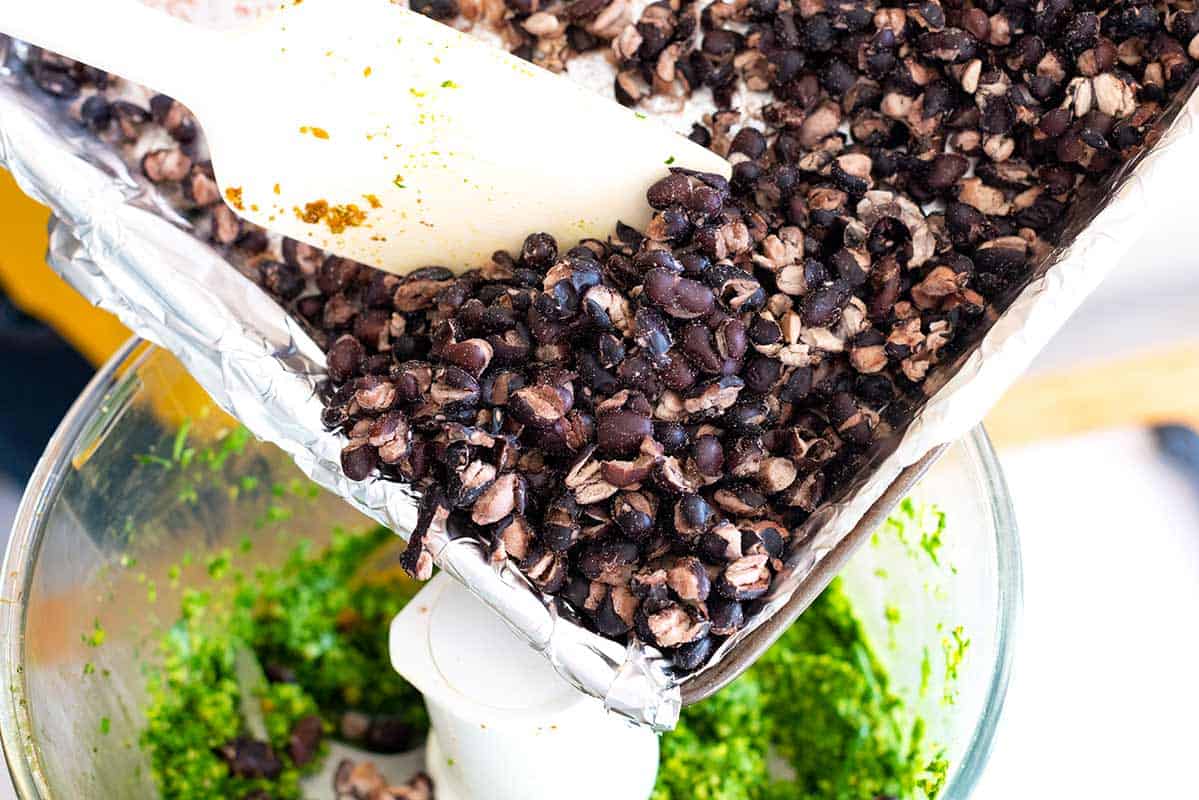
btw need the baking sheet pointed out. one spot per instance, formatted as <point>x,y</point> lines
<point>121,245</point>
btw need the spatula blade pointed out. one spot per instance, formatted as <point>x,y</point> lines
<point>383,136</point>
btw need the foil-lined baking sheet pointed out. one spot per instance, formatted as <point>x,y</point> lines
<point>122,246</point>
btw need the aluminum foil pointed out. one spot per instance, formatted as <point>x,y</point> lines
<point>120,244</point>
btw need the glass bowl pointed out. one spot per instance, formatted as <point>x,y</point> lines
<point>145,481</point>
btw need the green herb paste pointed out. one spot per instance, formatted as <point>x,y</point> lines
<point>812,720</point>
<point>819,698</point>
<point>313,615</point>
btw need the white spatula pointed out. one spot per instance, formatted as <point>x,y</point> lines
<point>368,130</point>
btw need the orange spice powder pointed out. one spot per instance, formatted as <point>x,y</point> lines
<point>338,218</point>
<point>233,195</point>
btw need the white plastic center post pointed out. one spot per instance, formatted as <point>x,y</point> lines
<point>506,726</point>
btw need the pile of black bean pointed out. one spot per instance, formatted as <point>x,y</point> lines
<point>639,424</point>
<point>642,424</point>
<point>159,137</point>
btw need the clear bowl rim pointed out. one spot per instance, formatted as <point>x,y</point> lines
<point>46,481</point>
<point>1009,610</point>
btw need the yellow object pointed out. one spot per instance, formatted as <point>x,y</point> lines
<point>38,290</point>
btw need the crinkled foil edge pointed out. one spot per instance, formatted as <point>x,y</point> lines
<point>117,243</point>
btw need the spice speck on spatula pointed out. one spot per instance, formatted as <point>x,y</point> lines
<point>370,131</point>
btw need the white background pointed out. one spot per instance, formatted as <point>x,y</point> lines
<point>1104,698</point>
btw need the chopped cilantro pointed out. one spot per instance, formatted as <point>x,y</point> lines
<point>151,459</point>
<point>821,699</point>
<point>930,540</point>
<point>218,565</point>
<point>818,702</point>
<point>179,446</point>
<point>954,646</point>
<point>311,614</point>
<point>96,637</point>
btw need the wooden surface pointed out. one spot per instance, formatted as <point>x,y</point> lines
<point>1138,388</point>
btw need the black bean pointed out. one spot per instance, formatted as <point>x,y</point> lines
<point>437,9</point>
<point>620,432</point>
<point>822,306</point>
<point>96,113</point>
<point>55,82</point>
<point>798,385</point>
<point>727,616</point>
<point>358,460</point>
<point>389,734</point>
<point>708,455</point>
<point>280,279</point>
<point>761,374</point>
<point>694,655</point>
<point>671,435</point>
<point>305,739</point>
<point>251,758</point>
<point>749,142</point>
<point>345,358</point>
<point>944,171</point>
<point>539,251</point>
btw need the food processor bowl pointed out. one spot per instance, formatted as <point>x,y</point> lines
<point>146,485</point>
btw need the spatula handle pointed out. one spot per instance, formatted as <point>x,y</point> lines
<point>119,36</point>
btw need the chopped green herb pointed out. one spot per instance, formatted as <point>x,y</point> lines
<point>448,85</point>
<point>96,637</point>
<point>177,448</point>
<point>151,459</point>
<point>670,161</point>
<point>105,725</point>
<point>311,614</point>
<point>819,701</point>
<point>277,513</point>
<point>218,565</point>
<point>930,540</point>
<point>820,698</point>
<point>954,646</point>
